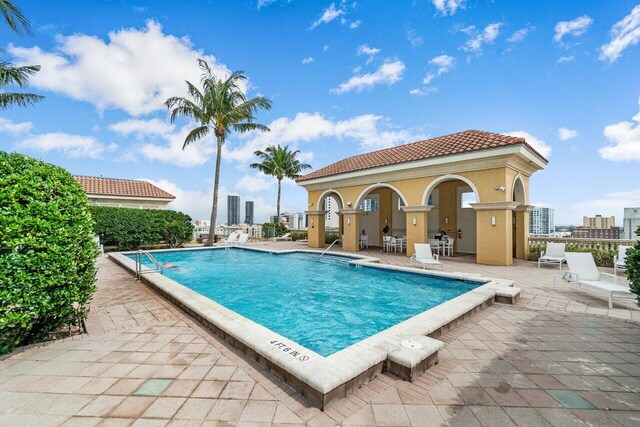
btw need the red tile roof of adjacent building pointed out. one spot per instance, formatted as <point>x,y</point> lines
<point>121,187</point>
<point>456,143</point>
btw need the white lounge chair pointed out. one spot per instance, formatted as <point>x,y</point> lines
<point>244,238</point>
<point>232,238</point>
<point>619,261</point>
<point>284,238</point>
<point>425,257</point>
<point>553,255</point>
<point>584,272</point>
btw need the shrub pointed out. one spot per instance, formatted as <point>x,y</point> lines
<point>274,230</point>
<point>47,253</point>
<point>632,264</point>
<point>331,237</point>
<point>128,229</point>
<point>299,235</point>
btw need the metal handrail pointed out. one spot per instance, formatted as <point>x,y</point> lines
<point>140,271</point>
<point>326,250</point>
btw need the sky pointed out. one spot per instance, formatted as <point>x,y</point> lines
<point>345,78</point>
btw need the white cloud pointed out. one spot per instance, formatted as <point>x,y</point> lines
<point>136,70</point>
<point>565,134</point>
<point>574,28</point>
<point>325,48</point>
<point>369,51</point>
<point>539,145</point>
<point>264,3</point>
<point>142,128</point>
<point>477,39</point>
<point>444,63</point>
<point>255,183</point>
<point>610,204</point>
<point>566,59</point>
<point>355,24</point>
<point>370,131</point>
<point>520,35</point>
<point>624,33</point>
<point>308,60</point>
<point>328,15</point>
<point>414,38</point>
<point>388,73</point>
<point>448,7</point>
<point>9,126</point>
<point>624,140</point>
<point>423,91</point>
<point>69,145</point>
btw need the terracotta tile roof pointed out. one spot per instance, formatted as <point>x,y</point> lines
<point>121,187</point>
<point>456,143</point>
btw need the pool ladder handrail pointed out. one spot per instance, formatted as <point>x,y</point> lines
<point>332,243</point>
<point>140,271</point>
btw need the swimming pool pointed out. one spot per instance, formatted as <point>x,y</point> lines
<point>323,303</point>
<point>325,326</point>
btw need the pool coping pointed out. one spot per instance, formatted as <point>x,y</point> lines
<point>323,380</point>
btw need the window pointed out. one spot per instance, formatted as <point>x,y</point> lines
<point>369,205</point>
<point>400,203</point>
<point>468,198</point>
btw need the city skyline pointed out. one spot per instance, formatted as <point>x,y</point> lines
<point>563,75</point>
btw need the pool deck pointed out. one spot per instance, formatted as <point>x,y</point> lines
<point>558,356</point>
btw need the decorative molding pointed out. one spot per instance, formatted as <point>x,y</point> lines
<point>421,208</point>
<point>315,212</point>
<point>350,211</point>
<point>524,208</point>
<point>495,206</point>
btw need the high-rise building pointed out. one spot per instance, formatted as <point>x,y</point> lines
<point>599,221</point>
<point>631,223</point>
<point>233,210</point>
<point>248,212</point>
<point>542,222</point>
<point>331,219</point>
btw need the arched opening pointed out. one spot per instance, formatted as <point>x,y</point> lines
<point>451,198</point>
<point>332,202</point>
<point>517,195</point>
<point>382,214</point>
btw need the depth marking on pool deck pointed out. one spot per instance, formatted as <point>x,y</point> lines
<point>288,349</point>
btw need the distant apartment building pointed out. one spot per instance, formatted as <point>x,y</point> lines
<point>599,221</point>
<point>331,220</point>
<point>248,212</point>
<point>630,223</point>
<point>201,229</point>
<point>542,222</point>
<point>233,210</point>
<point>596,233</point>
<point>254,231</point>
<point>294,220</point>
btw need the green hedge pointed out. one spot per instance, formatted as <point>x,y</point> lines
<point>299,235</point>
<point>47,253</point>
<point>128,229</point>
<point>331,237</point>
<point>603,258</point>
<point>632,263</point>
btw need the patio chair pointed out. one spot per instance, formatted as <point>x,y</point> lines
<point>364,241</point>
<point>232,238</point>
<point>244,238</point>
<point>554,254</point>
<point>584,272</point>
<point>425,257</point>
<point>284,238</point>
<point>447,247</point>
<point>389,244</point>
<point>619,261</point>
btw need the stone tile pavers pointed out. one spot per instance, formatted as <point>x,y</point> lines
<point>536,346</point>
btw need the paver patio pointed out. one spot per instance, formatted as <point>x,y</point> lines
<point>557,357</point>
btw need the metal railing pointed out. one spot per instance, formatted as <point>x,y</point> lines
<point>603,244</point>
<point>327,250</point>
<point>139,267</point>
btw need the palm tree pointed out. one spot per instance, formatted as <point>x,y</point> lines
<point>279,162</point>
<point>11,75</point>
<point>219,107</point>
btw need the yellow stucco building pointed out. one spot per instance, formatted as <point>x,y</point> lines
<point>473,185</point>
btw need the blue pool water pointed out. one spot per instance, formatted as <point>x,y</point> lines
<point>323,304</point>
